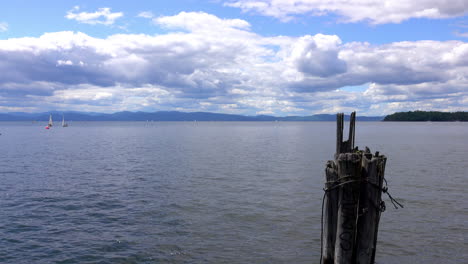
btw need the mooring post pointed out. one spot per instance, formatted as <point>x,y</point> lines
<point>352,202</point>
<point>369,206</point>
<point>380,177</point>
<point>329,211</point>
<point>349,172</point>
<point>341,191</point>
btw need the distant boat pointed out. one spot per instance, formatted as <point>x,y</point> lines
<point>63,122</point>
<point>50,124</point>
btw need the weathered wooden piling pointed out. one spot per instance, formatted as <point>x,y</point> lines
<point>373,167</point>
<point>352,201</point>
<point>349,169</point>
<point>330,205</point>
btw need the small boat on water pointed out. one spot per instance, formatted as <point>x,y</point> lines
<point>63,122</point>
<point>50,124</point>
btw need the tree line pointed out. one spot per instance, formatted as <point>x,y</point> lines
<point>427,116</point>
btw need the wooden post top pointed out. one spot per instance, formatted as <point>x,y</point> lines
<point>348,145</point>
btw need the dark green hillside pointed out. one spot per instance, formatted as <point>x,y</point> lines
<point>427,116</point>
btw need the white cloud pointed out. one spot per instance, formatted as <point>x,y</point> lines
<point>3,26</point>
<point>318,55</point>
<point>374,11</point>
<point>199,21</point>
<point>102,16</point>
<point>221,65</point>
<point>64,62</point>
<point>146,14</point>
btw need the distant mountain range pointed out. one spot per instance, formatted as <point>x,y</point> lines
<point>167,116</point>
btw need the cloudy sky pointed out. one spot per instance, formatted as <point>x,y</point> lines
<point>280,57</point>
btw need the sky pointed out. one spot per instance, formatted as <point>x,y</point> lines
<point>251,57</point>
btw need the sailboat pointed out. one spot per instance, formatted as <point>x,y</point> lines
<point>49,125</point>
<point>50,121</point>
<point>63,122</point>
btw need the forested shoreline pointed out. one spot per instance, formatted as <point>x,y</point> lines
<point>427,116</point>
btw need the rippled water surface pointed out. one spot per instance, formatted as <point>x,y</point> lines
<point>206,192</point>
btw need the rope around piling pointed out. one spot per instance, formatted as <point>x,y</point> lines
<point>336,184</point>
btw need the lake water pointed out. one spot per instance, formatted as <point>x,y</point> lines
<point>218,192</point>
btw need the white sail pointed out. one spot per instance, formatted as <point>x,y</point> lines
<point>63,122</point>
<point>50,121</point>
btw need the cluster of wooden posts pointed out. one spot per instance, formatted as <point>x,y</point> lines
<point>352,202</point>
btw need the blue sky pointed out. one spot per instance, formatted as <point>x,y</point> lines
<point>295,57</point>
